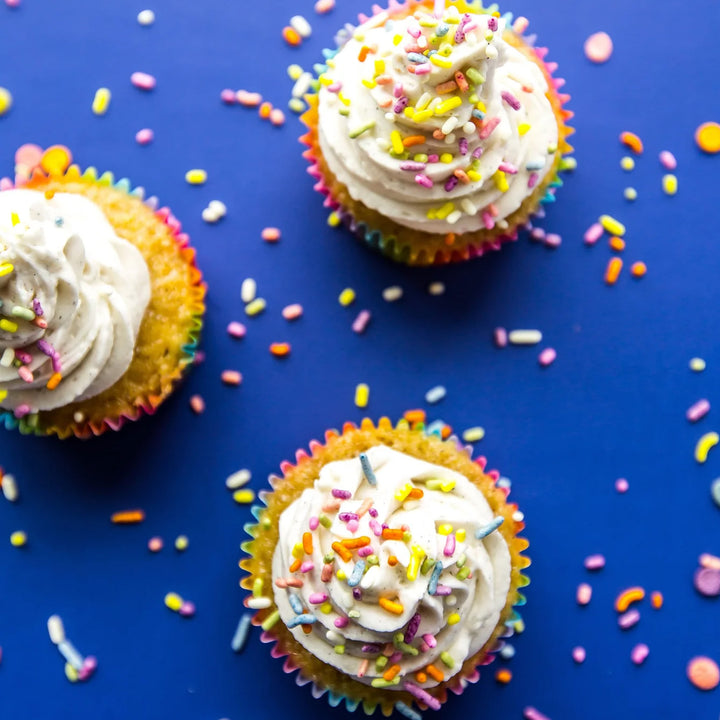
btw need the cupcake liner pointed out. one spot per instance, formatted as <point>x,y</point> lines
<point>73,179</point>
<point>412,247</point>
<point>325,679</point>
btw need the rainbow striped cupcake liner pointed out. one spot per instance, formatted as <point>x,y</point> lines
<point>323,679</point>
<point>464,247</point>
<point>148,403</point>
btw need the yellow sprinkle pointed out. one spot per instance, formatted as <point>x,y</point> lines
<point>333,219</point>
<point>446,158</point>
<point>18,539</point>
<point>297,550</point>
<point>445,529</point>
<point>173,601</point>
<point>196,177</point>
<point>324,79</point>
<point>344,100</point>
<point>704,445</point>
<point>101,101</point>
<point>5,100</point>
<point>422,115</point>
<point>181,543</point>
<point>460,535</point>
<point>255,307</point>
<point>473,434</point>
<point>340,574</point>
<point>669,184</point>
<point>244,496</point>
<point>295,71</point>
<point>519,626</point>
<point>453,619</point>
<point>347,296</point>
<point>523,128</point>
<point>697,364</point>
<point>501,181</point>
<point>270,620</point>
<point>611,225</point>
<point>448,105</point>
<point>444,211</point>
<point>326,608</point>
<point>369,84</point>
<point>440,61</point>
<point>362,395</point>
<point>409,112</point>
<point>3,394</point>
<point>403,492</point>
<point>627,163</point>
<point>6,269</point>
<point>397,39</point>
<point>8,325</point>
<point>474,175</point>
<point>379,67</point>
<point>14,219</point>
<point>448,486</point>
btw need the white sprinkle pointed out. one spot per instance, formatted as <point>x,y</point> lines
<point>299,23</point>
<point>238,479</point>
<point>334,637</point>
<point>9,488</point>
<point>218,207</point>
<point>518,516</point>
<point>302,85</point>
<point>453,217</point>
<point>467,205</point>
<point>78,416</point>
<point>507,652</point>
<point>449,125</point>
<point>435,395</point>
<point>56,629</point>
<point>469,128</point>
<point>259,603</point>
<point>7,357</point>
<point>68,651</point>
<point>146,17</point>
<point>210,216</point>
<point>392,293</point>
<point>248,290</point>
<point>524,337</point>
<point>436,288</point>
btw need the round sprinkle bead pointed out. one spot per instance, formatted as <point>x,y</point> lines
<point>598,47</point>
<point>181,543</point>
<point>6,101</point>
<point>436,288</point>
<point>18,539</point>
<point>715,491</point>
<point>697,364</point>
<point>622,485</point>
<point>271,234</point>
<point>639,653</point>
<point>638,269</point>
<point>703,673</point>
<point>173,601</point>
<point>579,654</point>
<point>630,194</point>
<point>146,17</point>
<point>197,404</point>
<point>627,163</point>
<point>155,544</point>
<point>144,136</point>
<point>324,6</point>
<point>707,137</point>
<point>707,582</point>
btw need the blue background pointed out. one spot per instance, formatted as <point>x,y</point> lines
<point>611,406</point>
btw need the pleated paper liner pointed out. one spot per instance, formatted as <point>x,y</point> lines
<point>413,247</point>
<point>325,679</point>
<point>170,330</point>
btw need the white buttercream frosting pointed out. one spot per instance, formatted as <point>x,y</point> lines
<point>513,125</point>
<point>438,574</point>
<point>73,295</point>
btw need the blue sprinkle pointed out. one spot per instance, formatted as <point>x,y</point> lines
<point>432,585</point>
<point>416,57</point>
<point>535,164</point>
<point>435,428</point>
<point>241,634</point>
<point>482,532</point>
<point>479,114</point>
<point>59,221</point>
<point>305,619</point>
<point>357,573</point>
<point>367,469</point>
<point>442,29</point>
<point>295,603</point>
<point>407,711</point>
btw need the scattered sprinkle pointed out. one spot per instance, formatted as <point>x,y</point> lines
<point>530,713</point>
<point>155,544</point>
<point>707,581</point>
<point>271,234</point>
<point>525,337</point>
<point>598,47</point>
<point>703,673</point>
<point>238,479</point>
<point>707,137</point>
<point>622,485</point>
<point>715,491</point>
<point>629,619</point>
<point>18,539</point>
<point>670,184</point>
<point>435,395</point>
<point>241,633</point>
<point>612,272</point>
<point>181,543</point>
<point>361,322</point>
<point>583,594</point>
<point>626,597</point>
<point>196,177</point>
<point>630,194</point>
<point>101,101</point>
<point>143,81</point>
<point>362,395</point>
<point>579,654</point>
<point>292,312</point>
<point>280,349</point>
<point>6,101</point>
<point>347,297</point>
<point>146,17</point>
<point>9,487</point>
<point>500,337</point>
<point>236,330</point>
<point>639,653</point>
<point>231,377</point>
<point>248,290</point>
<point>698,410</point>
<point>197,404</point>
<point>436,288</point>
<point>255,307</point>
<point>667,160</point>
<point>301,26</point>
<point>632,141</point>
<point>547,357</point>
<point>697,364</point>
<point>244,496</point>
<point>638,269</point>
<point>594,562</point>
<point>392,293</point>
<point>473,434</point>
<point>704,445</point>
<point>127,517</point>
<point>324,6</point>
<point>627,163</point>
<point>144,136</point>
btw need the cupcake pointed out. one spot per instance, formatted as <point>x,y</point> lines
<point>436,135</point>
<point>386,565</point>
<point>101,301</point>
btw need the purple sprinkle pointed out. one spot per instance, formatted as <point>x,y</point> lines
<point>463,145</point>
<point>395,657</point>
<point>341,622</point>
<point>510,99</point>
<point>578,654</point>
<point>595,562</point>
<point>487,128</point>
<point>357,593</point>
<point>443,590</point>
<point>639,653</point>
<point>361,321</point>
<point>477,152</point>
<point>433,158</point>
<point>492,24</point>
<point>451,183</point>
<point>537,234</point>
<point>371,648</point>
<point>412,166</point>
<point>430,640</point>
<point>45,347</point>
<point>24,357</point>
<point>412,628</point>
<point>365,551</point>
<point>348,516</point>
<point>400,105</point>
<point>56,364</point>
<point>342,494</point>
<point>373,512</point>
<point>628,619</point>
<point>553,240</point>
<point>532,180</point>
<point>530,713</point>
<point>697,411</point>
<point>423,696</point>
<point>37,307</point>
<point>707,581</point>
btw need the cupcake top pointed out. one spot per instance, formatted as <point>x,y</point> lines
<point>388,569</point>
<point>73,295</point>
<point>440,124</point>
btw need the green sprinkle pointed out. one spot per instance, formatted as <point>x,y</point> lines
<point>463,573</point>
<point>354,614</point>
<point>340,649</point>
<point>329,558</point>
<point>270,620</point>
<point>383,683</point>
<point>325,521</point>
<point>363,128</point>
<point>477,78</point>
<point>427,566</point>
<point>22,313</point>
<point>461,560</point>
<point>257,587</point>
<point>420,157</point>
<point>407,536</point>
<point>372,560</point>
<point>344,112</point>
<point>473,434</point>
<point>381,662</point>
<point>568,163</point>
<point>447,659</point>
<point>433,483</point>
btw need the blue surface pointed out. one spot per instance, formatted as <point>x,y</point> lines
<point>611,406</point>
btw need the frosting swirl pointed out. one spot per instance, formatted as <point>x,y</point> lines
<point>73,296</point>
<point>402,576</point>
<point>442,125</point>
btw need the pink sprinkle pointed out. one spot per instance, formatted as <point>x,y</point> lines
<point>488,220</point>
<point>307,566</point>
<point>510,99</point>
<point>709,561</point>
<point>508,168</point>
<point>236,329</point>
<point>423,69</point>
<point>342,494</point>
<point>363,668</point>
<point>628,619</point>
<point>228,97</point>
<point>552,240</point>
<point>598,47</point>
<point>277,117</point>
<point>521,25</point>
<point>317,598</point>
<point>376,527</point>
<point>21,411</point>
<point>231,377</point>
<point>500,337</point>
<point>364,551</point>
<point>430,640</point>
<point>537,234</point>
<point>326,573</point>
<point>422,695</point>
<point>25,373</point>
<point>187,609</point>
<point>595,562</point>
<point>547,357</point>
<point>579,654</point>
<point>584,594</point>
<point>398,90</point>
<point>270,234</point>
<point>294,582</point>
<point>593,234</point>
<point>313,523</point>
<point>248,99</point>
<point>449,545</point>
<point>155,544</point>
<point>144,136</point>
<point>424,180</point>
<point>197,404</point>
<point>532,180</point>
<point>639,653</point>
<point>530,713</point>
<point>414,31</point>
<point>487,127</point>
<point>361,322</point>
<point>12,3</point>
<point>324,6</point>
<point>292,312</point>
<point>622,485</point>
<point>353,526</point>
<point>698,411</point>
<point>341,622</point>
<point>667,160</point>
<point>142,80</point>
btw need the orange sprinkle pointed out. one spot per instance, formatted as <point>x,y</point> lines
<point>411,140</point>
<point>703,673</point>
<point>445,432</point>
<point>392,561</point>
<point>54,381</point>
<point>415,494</point>
<point>638,269</point>
<point>265,110</point>
<point>128,517</point>
<point>613,270</point>
<point>413,416</point>
<point>291,36</point>
<point>270,234</point>
<point>503,676</point>
<point>656,599</point>
<point>450,239</point>
<point>49,194</point>
<point>342,551</point>
<point>307,543</point>
<point>617,244</point>
<point>364,50</point>
<point>280,349</point>
<point>434,673</point>
<point>707,137</point>
<point>358,542</point>
<point>631,595</point>
<point>632,141</point>
<point>462,176</point>
<point>421,677</point>
<point>391,606</point>
<point>307,629</point>
<point>391,672</point>
<point>446,87</point>
<point>231,377</point>
<point>296,563</point>
<point>392,534</point>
